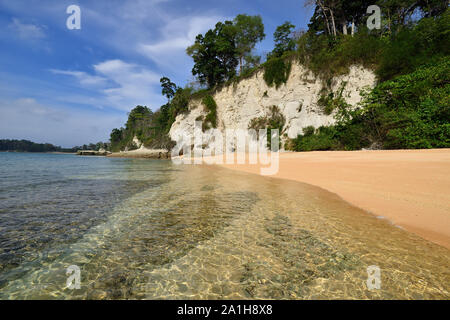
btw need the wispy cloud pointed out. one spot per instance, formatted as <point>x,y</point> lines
<point>27,31</point>
<point>179,33</point>
<point>123,85</point>
<point>134,84</point>
<point>84,78</point>
<point>108,67</point>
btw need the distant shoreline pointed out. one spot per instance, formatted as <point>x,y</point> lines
<point>50,152</point>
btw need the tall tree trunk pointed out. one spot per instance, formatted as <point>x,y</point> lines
<point>325,15</point>
<point>241,59</point>
<point>334,25</point>
<point>344,28</point>
<point>353,28</point>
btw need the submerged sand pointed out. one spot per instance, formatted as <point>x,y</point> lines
<point>410,188</point>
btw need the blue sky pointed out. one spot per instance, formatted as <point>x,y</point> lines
<point>70,87</point>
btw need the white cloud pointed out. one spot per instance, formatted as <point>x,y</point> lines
<point>175,37</point>
<point>84,78</point>
<point>27,31</point>
<point>128,29</point>
<point>133,84</point>
<point>122,85</point>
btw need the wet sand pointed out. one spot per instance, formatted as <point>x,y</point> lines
<point>410,188</point>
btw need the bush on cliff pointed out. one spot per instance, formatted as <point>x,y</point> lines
<point>409,112</point>
<point>211,117</point>
<point>276,71</point>
<point>274,120</point>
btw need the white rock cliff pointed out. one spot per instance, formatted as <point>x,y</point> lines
<point>297,100</point>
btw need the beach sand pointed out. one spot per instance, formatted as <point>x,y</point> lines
<point>410,188</point>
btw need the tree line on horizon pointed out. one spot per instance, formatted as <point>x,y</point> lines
<point>411,44</point>
<point>14,145</point>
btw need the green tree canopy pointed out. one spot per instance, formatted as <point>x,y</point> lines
<point>249,30</point>
<point>214,55</point>
<point>116,135</point>
<point>168,88</point>
<point>283,39</point>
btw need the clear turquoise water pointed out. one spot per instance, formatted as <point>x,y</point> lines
<point>143,229</point>
<point>50,201</point>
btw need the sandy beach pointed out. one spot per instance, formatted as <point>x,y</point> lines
<point>410,188</point>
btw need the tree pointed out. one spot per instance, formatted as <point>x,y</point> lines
<point>320,19</point>
<point>168,88</point>
<point>354,11</point>
<point>433,8</point>
<point>116,135</point>
<point>138,115</point>
<point>283,39</point>
<point>332,15</point>
<point>249,30</point>
<point>214,55</point>
<point>399,11</point>
<point>163,116</point>
<point>251,61</point>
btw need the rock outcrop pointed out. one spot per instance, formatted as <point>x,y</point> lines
<point>297,100</point>
<point>143,153</point>
<point>101,152</point>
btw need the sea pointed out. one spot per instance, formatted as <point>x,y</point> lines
<point>75,227</point>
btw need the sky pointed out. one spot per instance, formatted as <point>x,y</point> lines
<point>72,87</point>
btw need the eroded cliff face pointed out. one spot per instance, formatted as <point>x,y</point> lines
<point>297,100</point>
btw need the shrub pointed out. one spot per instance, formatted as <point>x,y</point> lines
<point>330,101</point>
<point>413,110</point>
<point>321,139</point>
<point>415,46</point>
<point>273,120</point>
<point>211,116</point>
<point>276,71</point>
<point>327,57</point>
<point>409,112</point>
<point>308,131</point>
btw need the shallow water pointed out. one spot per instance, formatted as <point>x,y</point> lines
<point>142,229</point>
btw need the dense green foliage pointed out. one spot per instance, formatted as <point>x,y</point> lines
<point>211,117</point>
<point>409,107</point>
<point>391,51</point>
<point>278,67</point>
<point>216,54</point>
<point>168,88</point>
<point>276,71</point>
<point>412,46</point>
<point>151,128</point>
<point>284,42</point>
<point>328,58</point>
<point>412,111</point>
<point>330,101</point>
<point>27,146</point>
<point>409,54</point>
<point>272,121</point>
<point>409,112</point>
<point>249,30</point>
